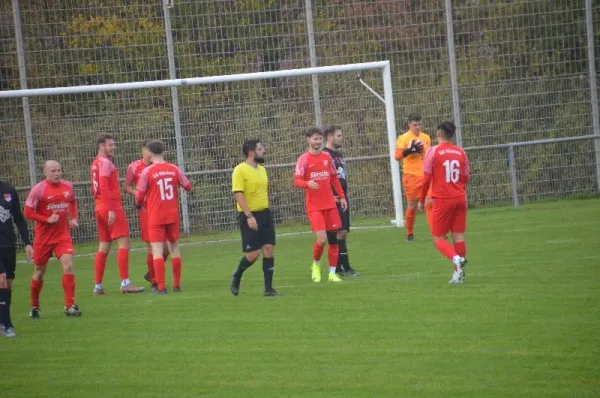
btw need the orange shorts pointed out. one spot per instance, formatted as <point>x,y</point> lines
<point>412,187</point>
<point>164,232</point>
<point>43,252</point>
<point>325,220</point>
<point>118,229</point>
<point>143,213</point>
<point>449,215</point>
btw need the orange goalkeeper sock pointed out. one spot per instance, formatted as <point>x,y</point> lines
<point>410,221</point>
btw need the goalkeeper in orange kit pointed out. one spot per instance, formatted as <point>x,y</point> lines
<point>410,149</point>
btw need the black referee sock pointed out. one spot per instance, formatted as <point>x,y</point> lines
<point>4,306</point>
<point>243,266</point>
<point>343,261</point>
<point>9,320</point>
<point>268,269</point>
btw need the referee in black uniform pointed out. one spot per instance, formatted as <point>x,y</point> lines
<point>10,210</point>
<point>250,186</point>
<point>333,142</point>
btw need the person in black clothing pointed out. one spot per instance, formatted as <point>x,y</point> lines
<point>10,210</point>
<point>333,141</point>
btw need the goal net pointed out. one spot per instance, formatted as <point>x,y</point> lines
<point>204,122</point>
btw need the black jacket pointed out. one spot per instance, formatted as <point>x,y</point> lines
<point>10,209</point>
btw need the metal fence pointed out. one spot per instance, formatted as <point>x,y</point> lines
<point>506,73</point>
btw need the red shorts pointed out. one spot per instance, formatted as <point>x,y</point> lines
<point>449,215</point>
<point>118,229</point>
<point>165,232</point>
<point>143,213</point>
<point>325,220</point>
<point>43,252</point>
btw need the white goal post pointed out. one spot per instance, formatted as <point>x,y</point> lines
<point>383,66</point>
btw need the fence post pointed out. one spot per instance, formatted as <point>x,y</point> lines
<point>23,83</point>
<point>593,87</point>
<point>513,175</point>
<point>453,77</point>
<point>310,29</point>
<point>167,5</point>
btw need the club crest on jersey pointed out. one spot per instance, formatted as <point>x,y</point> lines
<point>66,194</point>
<point>325,163</point>
<point>7,197</point>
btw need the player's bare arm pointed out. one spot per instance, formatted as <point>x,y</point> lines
<point>239,197</point>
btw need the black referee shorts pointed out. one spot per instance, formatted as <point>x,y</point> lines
<point>253,240</point>
<point>345,216</point>
<point>8,261</point>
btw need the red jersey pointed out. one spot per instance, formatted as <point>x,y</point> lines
<point>134,170</point>
<point>447,167</point>
<point>105,183</point>
<point>46,199</point>
<point>158,184</point>
<point>321,169</point>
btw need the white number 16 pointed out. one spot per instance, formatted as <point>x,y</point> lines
<point>452,170</point>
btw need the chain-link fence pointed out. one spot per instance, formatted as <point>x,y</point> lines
<point>505,72</point>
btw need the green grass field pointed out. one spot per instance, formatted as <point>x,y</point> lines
<point>526,323</point>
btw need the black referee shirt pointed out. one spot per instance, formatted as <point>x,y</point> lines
<point>340,167</point>
<point>10,209</point>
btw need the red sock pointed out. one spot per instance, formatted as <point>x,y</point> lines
<point>410,221</point>
<point>429,213</point>
<point>68,284</point>
<point>123,263</point>
<point>445,248</point>
<point>317,251</point>
<point>150,266</point>
<point>159,272</point>
<point>36,288</point>
<point>99,266</point>
<point>176,267</point>
<point>333,252</point>
<point>461,248</point>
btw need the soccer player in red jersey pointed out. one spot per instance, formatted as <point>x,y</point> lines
<point>53,207</point>
<point>317,175</point>
<point>447,169</point>
<point>110,216</point>
<point>134,170</point>
<point>158,185</point>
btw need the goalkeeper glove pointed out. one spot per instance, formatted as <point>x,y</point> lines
<point>415,147</point>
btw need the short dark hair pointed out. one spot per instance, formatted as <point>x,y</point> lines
<point>448,128</point>
<point>330,130</point>
<point>146,142</point>
<point>414,117</point>
<point>157,147</point>
<point>249,146</point>
<point>102,138</point>
<point>312,131</point>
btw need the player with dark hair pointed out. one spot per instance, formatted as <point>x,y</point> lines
<point>250,186</point>
<point>53,207</point>
<point>410,148</point>
<point>133,175</point>
<point>446,168</point>
<point>316,174</point>
<point>10,211</point>
<point>334,137</point>
<point>157,187</point>
<point>111,220</point>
